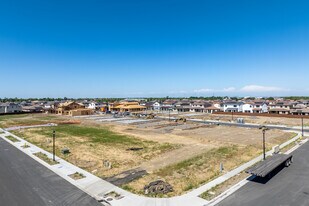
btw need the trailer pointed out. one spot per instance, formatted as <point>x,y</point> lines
<point>264,168</point>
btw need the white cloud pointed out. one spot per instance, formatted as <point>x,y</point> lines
<point>229,89</point>
<point>258,88</point>
<point>203,90</point>
<point>247,88</point>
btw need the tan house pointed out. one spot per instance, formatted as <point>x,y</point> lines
<point>73,109</point>
<point>126,107</point>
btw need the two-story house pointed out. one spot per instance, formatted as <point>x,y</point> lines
<point>233,106</point>
<point>9,107</point>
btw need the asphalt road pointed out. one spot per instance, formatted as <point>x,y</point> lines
<point>25,182</point>
<point>289,187</point>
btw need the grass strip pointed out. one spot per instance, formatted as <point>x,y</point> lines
<point>12,139</point>
<point>45,158</point>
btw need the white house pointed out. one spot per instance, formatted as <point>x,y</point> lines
<point>247,108</point>
<point>92,105</point>
<point>10,108</point>
<point>233,106</point>
<point>156,106</point>
<point>260,107</point>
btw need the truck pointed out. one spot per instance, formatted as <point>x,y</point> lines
<point>266,167</point>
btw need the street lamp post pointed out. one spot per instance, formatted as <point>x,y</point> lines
<point>302,126</point>
<point>264,128</point>
<point>54,139</point>
<point>169,114</point>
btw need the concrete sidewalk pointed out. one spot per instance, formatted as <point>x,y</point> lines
<point>98,188</point>
<point>32,126</point>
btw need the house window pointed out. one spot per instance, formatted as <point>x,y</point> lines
<point>235,105</point>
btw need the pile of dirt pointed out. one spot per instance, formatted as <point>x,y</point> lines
<point>158,187</point>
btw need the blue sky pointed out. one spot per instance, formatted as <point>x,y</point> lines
<point>138,48</point>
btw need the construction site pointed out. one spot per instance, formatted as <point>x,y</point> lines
<point>158,155</point>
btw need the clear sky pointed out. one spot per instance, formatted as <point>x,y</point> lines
<point>141,48</point>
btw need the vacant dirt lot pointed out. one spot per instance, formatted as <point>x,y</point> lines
<point>248,119</point>
<point>185,155</point>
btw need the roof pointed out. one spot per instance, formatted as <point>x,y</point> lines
<point>7,104</point>
<point>233,102</point>
<point>130,107</point>
<point>212,108</point>
<point>279,110</point>
<point>65,104</point>
<point>257,109</point>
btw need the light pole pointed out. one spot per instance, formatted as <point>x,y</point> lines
<point>302,127</point>
<point>169,114</point>
<point>264,128</point>
<point>54,139</point>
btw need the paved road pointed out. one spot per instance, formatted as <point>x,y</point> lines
<point>25,182</point>
<point>289,187</point>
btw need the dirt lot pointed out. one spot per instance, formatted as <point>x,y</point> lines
<point>198,160</point>
<point>247,119</point>
<point>185,155</point>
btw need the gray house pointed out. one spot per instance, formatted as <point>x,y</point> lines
<point>10,108</point>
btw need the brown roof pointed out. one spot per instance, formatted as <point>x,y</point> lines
<point>212,108</point>
<point>279,110</point>
<point>257,109</point>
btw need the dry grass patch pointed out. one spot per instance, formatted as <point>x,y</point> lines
<point>193,172</point>
<point>28,119</point>
<point>45,158</point>
<point>77,176</point>
<point>90,146</point>
<point>219,189</point>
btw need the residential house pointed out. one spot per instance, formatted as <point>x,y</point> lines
<point>260,107</point>
<point>9,107</point>
<point>233,106</point>
<point>211,109</point>
<point>183,105</point>
<point>199,106</point>
<point>247,107</point>
<point>281,107</point>
<point>92,105</point>
<point>73,108</point>
<point>255,107</point>
<point>126,106</point>
<point>168,105</point>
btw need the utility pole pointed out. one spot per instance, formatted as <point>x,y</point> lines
<point>232,115</point>
<point>264,150</point>
<point>54,139</point>
<point>169,114</point>
<point>264,128</point>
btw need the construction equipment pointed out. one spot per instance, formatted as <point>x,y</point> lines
<point>181,119</point>
<point>150,116</point>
